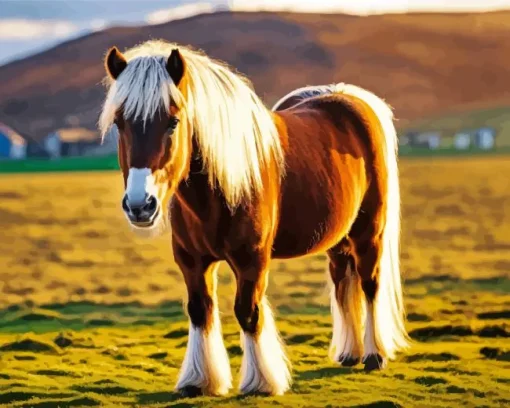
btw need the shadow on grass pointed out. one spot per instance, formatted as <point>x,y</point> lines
<point>326,372</point>
<point>378,404</point>
<point>15,396</point>
<point>85,314</point>
<point>105,390</point>
<point>76,402</point>
<point>443,283</point>
<point>30,345</point>
<point>160,397</point>
<point>429,381</point>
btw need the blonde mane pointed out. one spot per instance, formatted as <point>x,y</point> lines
<point>235,132</point>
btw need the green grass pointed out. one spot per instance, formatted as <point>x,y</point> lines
<point>65,164</point>
<point>137,365</point>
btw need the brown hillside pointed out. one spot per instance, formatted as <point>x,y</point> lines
<point>423,64</point>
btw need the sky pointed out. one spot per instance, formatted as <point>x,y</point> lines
<point>31,26</point>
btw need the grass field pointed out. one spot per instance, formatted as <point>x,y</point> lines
<point>92,316</point>
<point>63,164</point>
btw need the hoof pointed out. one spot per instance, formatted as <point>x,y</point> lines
<point>374,362</point>
<point>349,361</point>
<point>191,391</point>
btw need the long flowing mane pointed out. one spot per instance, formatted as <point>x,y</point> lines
<point>235,132</point>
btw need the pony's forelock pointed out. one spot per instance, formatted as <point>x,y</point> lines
<point>141,90</point>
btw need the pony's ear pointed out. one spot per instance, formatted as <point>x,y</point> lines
<point>115,62</point>
<point>175,66</point>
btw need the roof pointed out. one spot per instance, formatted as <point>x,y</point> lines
<point>73,135</point>
<point>12,135</point>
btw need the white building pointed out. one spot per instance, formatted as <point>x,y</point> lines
<point>462,141</point>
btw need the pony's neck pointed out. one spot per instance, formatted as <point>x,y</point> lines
<point>194,193</point>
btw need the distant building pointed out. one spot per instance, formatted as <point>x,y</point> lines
<point>12,145</point>
<point>482,138</point>
<point>485,138</point>
<point>429,139</point>
<point>70,142</point>
<point>51,144</point>
<point>108,146</point>
<point>403,140</point>
<point>36,150</point>
<point>462,141</point>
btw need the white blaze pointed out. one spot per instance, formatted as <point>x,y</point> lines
<point>140,183</point>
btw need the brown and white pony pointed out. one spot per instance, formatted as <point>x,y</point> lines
<point>240,183</point>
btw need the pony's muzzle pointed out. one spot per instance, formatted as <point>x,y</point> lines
<point>141,213</point>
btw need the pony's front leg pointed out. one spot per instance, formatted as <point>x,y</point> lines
<point>206,369</point>
<point>264,368</point>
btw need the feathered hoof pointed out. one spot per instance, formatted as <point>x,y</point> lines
<point>264,388</point>
<point>374,362</point>
<point>191,391</point>
<point>265,391</point>
<point>349,361</point>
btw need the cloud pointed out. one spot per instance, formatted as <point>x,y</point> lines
<point>367,6</point>
<point>24,29</point>
<point>287,5</point>
<point>98,24</point>
<point>176,13</point>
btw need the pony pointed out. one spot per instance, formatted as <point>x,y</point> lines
<point>235,181</point>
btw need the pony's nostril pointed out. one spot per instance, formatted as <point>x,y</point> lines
<point>152,204</point>
<point>125,204</point>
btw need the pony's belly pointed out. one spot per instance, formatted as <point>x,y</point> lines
<point>320,200</point>
<point>289,247</point>
<point>317,212</point>
<point>311,233</point>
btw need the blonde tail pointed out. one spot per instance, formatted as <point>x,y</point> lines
<point>389,312</point>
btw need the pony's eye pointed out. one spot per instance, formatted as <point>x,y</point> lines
<point>173,123</point>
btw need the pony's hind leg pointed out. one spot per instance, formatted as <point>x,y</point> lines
<point>264,367</point>
<point>367,249</point>
<point>346,307</point>
<point>205,369</point>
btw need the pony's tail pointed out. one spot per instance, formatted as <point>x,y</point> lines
<point>388,306</point>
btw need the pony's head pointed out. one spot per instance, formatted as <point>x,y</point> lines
<point>167,100</point>
<point>144,102</point>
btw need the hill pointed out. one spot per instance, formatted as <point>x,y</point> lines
<point>423,64</point>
